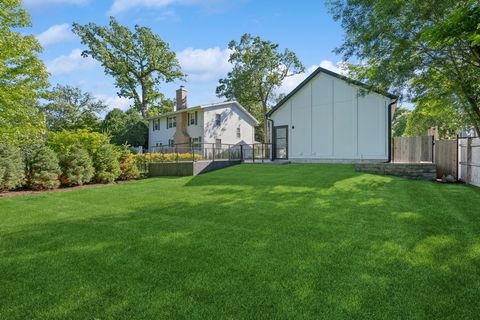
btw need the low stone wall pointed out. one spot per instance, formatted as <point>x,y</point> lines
<point>419,171</point>
<point>181,169</point>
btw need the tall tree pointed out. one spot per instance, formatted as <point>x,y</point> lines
<point>165,105</point>
<point>399,121</point>
<point>126,127</point>
<point>68,108</point>
<point>428,47</point>
<point>138,60</point>
<point>435,113</point>
<point>259,68</point>
<point>23,77</point>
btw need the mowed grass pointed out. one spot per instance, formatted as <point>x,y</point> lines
<point>247,242</point>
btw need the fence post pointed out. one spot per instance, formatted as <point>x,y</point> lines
<point>457,169</point>
<point>433,149</point>
<point>241,152</point>
<point>176,152</point>
<point>253,153</point>
<point>469,161</point>
<point>263,152</point>
<point>213,152</point>
<point>193,152</point>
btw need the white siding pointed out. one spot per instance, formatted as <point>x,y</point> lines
<point>160,136</point>
<point>195,131</point>
<point>232,117</point>
<point>330,119</point>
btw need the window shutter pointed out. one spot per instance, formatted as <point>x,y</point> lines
<point>196,117</point>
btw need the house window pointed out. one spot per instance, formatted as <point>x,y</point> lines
<point>171,122</point>
<point>238,132</point>
<point>196,142</point>
<point>171,143</point>
<point>218,119</point>
<point>193,118</point>
<point>218,143</point>
<point>156,125</point>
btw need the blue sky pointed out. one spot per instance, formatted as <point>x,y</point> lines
<point>197,30</point>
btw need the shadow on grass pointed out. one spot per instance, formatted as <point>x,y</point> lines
<point>329,244</point>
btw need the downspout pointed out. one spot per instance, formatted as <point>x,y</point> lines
<point>390,130</point>
<point>271,137</point>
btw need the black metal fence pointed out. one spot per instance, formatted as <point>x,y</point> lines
<point>258,152</point>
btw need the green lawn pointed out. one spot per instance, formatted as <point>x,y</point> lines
<point>251,241</point>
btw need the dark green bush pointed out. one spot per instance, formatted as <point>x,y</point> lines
<point>105,162</point>
<point>76,166</point>
<point>12,167</point>
<point>43,169</point>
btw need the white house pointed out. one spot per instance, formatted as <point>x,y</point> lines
<point>329,118</point>
<point>219,123</point>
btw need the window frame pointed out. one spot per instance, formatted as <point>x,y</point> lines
<point>171,122</point>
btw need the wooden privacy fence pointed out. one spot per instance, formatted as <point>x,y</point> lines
<point>412,149</point>
<point>469,160</point>
<point>459,158</point>
<point>445,157</point>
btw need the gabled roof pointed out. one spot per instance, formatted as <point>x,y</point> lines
<point>330,73</point>
<point>207,106</point>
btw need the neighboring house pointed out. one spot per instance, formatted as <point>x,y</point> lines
<point>329,118</point>
<point>219,124</point>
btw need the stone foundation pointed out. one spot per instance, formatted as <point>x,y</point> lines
<point>419,171</point>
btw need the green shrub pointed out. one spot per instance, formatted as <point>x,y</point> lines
<point>167,157</point>
<point>128,166</point>
<point>61,142</point>
<point>43,169</point>
<point>76,166</point>
<point>12,167</point>
<point>105,162</point>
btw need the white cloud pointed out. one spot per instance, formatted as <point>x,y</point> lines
<point>70,63</point>
<point>125,5</point>
<point>40,3</point>
<point>115,101</point>
<point>291,82</point>
<point>204,64</point>
<point>55,34</point>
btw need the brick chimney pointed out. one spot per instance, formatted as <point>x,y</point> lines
<point>181,98</point>
<point>181,136</point>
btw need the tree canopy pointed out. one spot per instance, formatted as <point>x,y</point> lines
<point>259,68</point>
<point>126,127</point>
<point>138,60</point>
<point>68,108</point>
<point>421,49</point>
<point>23,77</point>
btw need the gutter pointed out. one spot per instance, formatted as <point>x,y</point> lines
<point>271,138</point>
<point>390,129</point>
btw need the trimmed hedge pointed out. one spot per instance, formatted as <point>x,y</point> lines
<point>77,167</point>
<point>12,167</point>
<point>105,162</point>
<point>43,170</point>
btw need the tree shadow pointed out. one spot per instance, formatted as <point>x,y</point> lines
<point>334,244</point>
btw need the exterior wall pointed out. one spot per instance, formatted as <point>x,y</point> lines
<point>195,131</point>
<point>161,136</point>
<point>329,119</point>
<point>232,117</point>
